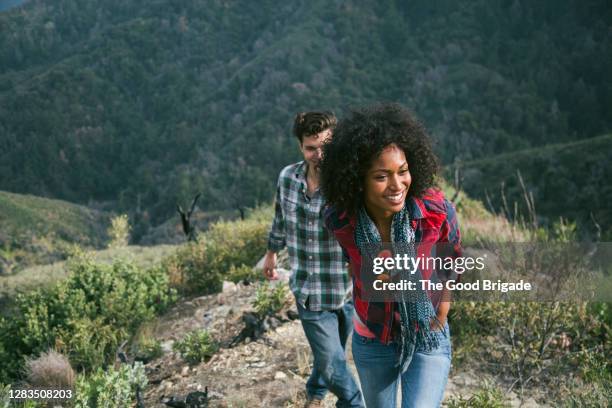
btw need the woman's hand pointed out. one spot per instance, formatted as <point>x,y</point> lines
<point>437,324</point>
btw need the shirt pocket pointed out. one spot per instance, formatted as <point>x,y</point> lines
<point>289,206</point>
<point>290,211</point>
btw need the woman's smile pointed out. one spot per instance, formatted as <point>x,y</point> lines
<point>396,198</point>
<point>387,183</point>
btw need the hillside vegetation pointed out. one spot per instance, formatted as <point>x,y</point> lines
<point>36,230</point>
<point>144,103</point>
<point>548,353</point>
<point>89,305</point>
<point>44,276</point>
<point>570,180</point>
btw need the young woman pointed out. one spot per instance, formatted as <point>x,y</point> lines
<point>378,178</point>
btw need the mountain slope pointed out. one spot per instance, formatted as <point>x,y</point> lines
<point>147,103</point>
<point>569,180</point>
<point>37,230</point>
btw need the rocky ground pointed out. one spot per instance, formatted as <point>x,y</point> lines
<point>269,372</point>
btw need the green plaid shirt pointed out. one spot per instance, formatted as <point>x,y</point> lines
<point>318,268</point>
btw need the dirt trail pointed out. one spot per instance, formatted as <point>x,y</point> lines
<point>270,372</point>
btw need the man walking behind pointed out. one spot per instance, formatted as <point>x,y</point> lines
<point>319,277</point>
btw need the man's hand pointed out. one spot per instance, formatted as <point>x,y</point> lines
<point>269,266</point>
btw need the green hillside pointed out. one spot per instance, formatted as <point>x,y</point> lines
<point>35,230</point>
<point>44,276</point>
<point>570,180</point>
<point>145,103</point>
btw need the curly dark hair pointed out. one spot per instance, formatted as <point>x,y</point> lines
<point>311,123</point>
<point>360,138</point>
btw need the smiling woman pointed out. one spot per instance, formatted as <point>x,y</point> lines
<point>386,185</point>
<point>378,174</point>
<point>362,138</point>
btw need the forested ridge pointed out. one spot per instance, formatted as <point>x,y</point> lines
<point>566,180</point>
<point>141,104</point>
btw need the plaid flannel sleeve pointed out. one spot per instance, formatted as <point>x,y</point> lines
<point>276,238</point>
<point>450,235</point>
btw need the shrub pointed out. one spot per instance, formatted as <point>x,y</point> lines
<point>119,231</point>
<point>9,363</point>
<point>7,402</point>
<point>244,273</point>
<point>147,348</point>
<point>114,388</point>
<point>4,395</point>
<point>270,300</point>
<point>487,396</point>
<point>538,344</point>
<point>200,267</point>
<point>87,315</point>
<point>196,346</point>
<point>580,394</point>
<point>561,346</point>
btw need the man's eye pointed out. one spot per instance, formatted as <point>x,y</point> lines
<point>381,178</point>
<point>403,171</point>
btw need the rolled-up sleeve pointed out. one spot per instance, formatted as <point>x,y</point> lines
<point>276,238</point>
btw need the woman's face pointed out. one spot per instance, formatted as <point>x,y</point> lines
<point>387,182</point>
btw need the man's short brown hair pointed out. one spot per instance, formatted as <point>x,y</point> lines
<point>311,123</point>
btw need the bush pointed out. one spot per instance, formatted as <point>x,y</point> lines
<point>4,395</point>
<point>538,344</point>
<point>580,394</point>
<point>559,346</point>
<point>222,253</point>
<point>6,402</point>
<point>270,300</point>
<point>244,273</point>
<point>196,346</point>
<point>487,396</point>
<point>146,348</point>
<point>115,388</point>
<point>119,231</point>
<point>86,316</point>
<point>9,365</point>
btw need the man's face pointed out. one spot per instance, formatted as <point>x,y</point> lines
<point>312,147</point>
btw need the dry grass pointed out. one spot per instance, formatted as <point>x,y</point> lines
<point>497,229</point>
<point>51,370</point>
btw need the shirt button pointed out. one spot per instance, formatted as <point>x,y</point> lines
<point>310,257</point>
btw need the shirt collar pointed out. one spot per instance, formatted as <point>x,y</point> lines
<point>300,171</point>
<point>300,175</point>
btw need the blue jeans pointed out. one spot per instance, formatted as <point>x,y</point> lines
<point>423,382</point>
<point>327,332</point>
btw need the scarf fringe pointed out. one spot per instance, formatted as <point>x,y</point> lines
<point>415,307</point>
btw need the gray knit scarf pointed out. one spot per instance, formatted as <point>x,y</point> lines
<point>415,307</point>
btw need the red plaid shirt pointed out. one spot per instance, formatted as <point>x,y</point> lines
<point>433,219</point>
